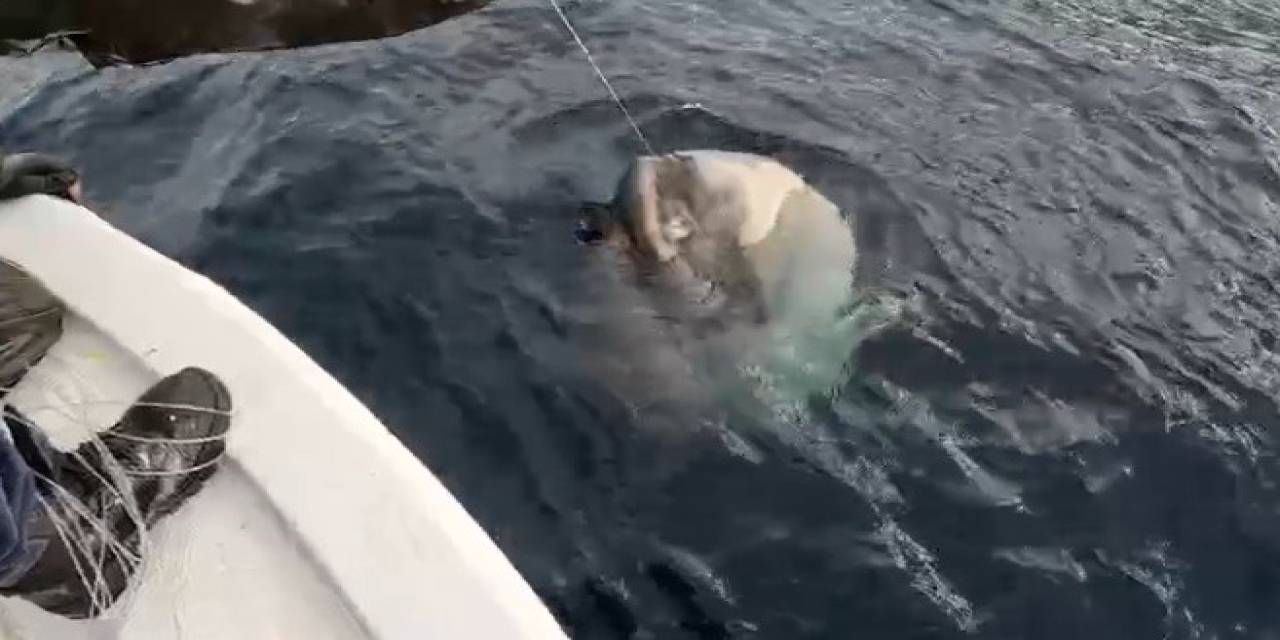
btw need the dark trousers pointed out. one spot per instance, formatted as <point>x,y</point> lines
<point>30,323</point>
<point>18,504</point>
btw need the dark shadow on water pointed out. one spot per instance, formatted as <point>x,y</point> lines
<point>142,31</point>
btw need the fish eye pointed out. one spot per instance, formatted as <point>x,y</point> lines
<point>588,233</point>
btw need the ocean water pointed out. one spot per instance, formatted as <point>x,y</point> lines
<point>1071,433</point>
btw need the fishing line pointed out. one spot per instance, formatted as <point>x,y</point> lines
<point>600,73</point>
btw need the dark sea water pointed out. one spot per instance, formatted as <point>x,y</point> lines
<point>1072,434</point>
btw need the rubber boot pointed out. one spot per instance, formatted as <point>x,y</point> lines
<point>99,499</point>
<point>30,316</point>
<point>30,323</point>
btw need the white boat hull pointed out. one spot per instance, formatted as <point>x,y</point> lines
<point>320,524</point>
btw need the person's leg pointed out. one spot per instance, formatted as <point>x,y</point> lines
<point>71,527</point>
<point>18,503</point>
<point>100,498</point>
<point>30,323</point>
<point>30,315</point>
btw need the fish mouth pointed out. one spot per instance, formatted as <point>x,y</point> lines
<point>594,224</point>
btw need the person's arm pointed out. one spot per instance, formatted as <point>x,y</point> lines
<point>24,174</point>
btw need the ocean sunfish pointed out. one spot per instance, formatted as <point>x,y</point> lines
<point>753,266</point>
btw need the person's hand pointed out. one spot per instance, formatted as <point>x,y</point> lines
<point>23,174</point>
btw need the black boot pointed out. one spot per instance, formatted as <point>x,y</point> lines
<point>30,322</point>
<point>102,497</point>
<point>30,316</point>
